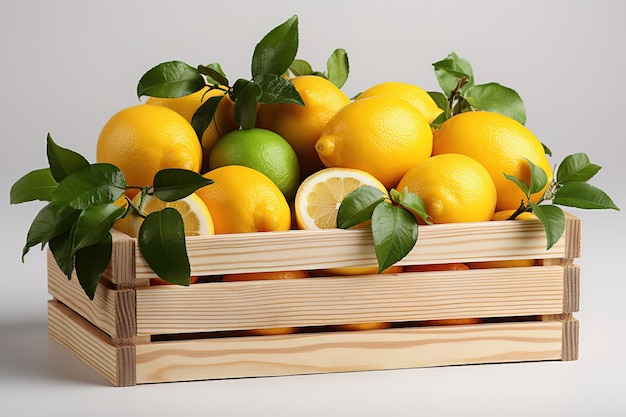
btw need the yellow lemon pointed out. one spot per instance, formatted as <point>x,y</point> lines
<point>513,263</point>
<point>374,325</point>
<point>242,199</point>
<point>196,217</point>
<point>415,95</point>
<point>500,144</point>
<point>301,126</point>
<point>454,187</point>
<point>223,119</point>
<point>141,140</point>
<point>359,270</point>
<point>319,196</point>
<point>383,135</point>
<point>505,214</point>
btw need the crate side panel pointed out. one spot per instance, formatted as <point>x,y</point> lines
<point>115,363</point>
<point>100,311</point>
<point>340,300</point>
<point>315,249</point>
<point>348,351</point>
<point>112,311</point>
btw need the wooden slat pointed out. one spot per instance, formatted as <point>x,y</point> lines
<point>115,363</point>
<point>315,249</point>
<point>121,269</point>
<point>571,288</point>
<point>570,340</point>
<point>225,306</point>
<point>572,236</point>
<point>112,311</point>
<point>349,351</point>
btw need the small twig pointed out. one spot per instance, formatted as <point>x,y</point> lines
<point>523,208</point>
<point>456,92</point>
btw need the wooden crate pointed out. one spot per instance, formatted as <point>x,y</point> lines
<point>134,333</point>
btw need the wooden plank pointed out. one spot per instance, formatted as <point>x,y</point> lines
<point>570,340</point>
<point>112,311</point>
<point>572,236</point>
<point>115,363</point>
<point>121,269</point>
<point>222,306</point>
<point>316,249</point>
<point>571,288</point>
<point>349,351</point>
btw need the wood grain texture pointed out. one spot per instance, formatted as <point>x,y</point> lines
<point>570,340</point>
<point>121,269</point>
<point>349,351</point>
<point>112,311</point>
<point>572,236</point>
<point>222,306</point>
<point>115,363</point>
<point>316,249</point>
<point>571,288</point>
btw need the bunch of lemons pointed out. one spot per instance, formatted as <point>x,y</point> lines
<point>293,169</point>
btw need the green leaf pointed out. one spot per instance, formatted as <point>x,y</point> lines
<point>358,205</point>
<point>214,73</point>
<point>91,262</point>
<point>538,177</point>
<point>277,50</point>
<point>202,118</point>
<point>522,185</point>
<point>576,168</point>
<point>63,161</point>
<point>172,184</point>
<point>442,102</point>
<point>553,221</point>
<point>450,70</point>
<point>300,67</point>
<point>61,248</point>
<point>461,106</point>
<point>36,185</point>
<point>277,89</point>
<point>162,244</point>
<point>546,150</point>
<point>94,184</point>
<point>246,105</point>
<point>338,67</point>
<point>238,87</point>
<point>415,203</point>
<point>394,230</point>
<point>583,195</point>
<point>94,224</point>
<point>170,79</point>
<point>48,224</point>
<point>497,98</point>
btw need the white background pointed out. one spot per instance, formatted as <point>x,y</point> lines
<point>68,66</point>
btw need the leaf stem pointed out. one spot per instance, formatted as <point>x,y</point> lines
<point>523,208</point>
<point>454,94</point>
<point>547,195</point>
<point>138,209</point>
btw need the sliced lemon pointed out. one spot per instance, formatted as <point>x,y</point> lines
<point>196,217</point>
<point>319,196</point>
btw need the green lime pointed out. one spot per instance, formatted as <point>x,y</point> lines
<point>262,150</point>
